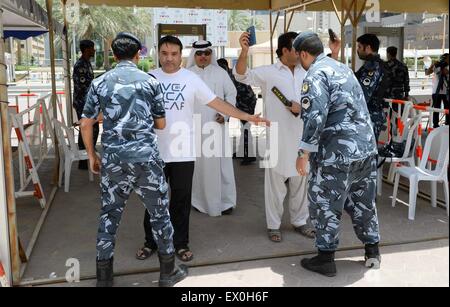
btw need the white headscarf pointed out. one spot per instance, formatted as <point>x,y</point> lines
<point>201,46</point>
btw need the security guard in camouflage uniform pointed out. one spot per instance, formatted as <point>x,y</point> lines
<point>132,105</point>
<point>245,101</point>
<point>374,80</point>
<point>82,79</point>
<point>339,143</point>
<point>399,86</point>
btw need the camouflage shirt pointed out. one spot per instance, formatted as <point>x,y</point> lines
<point>246,98</point>
<point>337,127</point>
<point>374,81</point>
<point>82,78</point>
<point>399,85</point>
<point>130,100</point>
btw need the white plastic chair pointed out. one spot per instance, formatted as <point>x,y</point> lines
<point>410,131</point>
<point>69,153</point>
<point>436,147</point>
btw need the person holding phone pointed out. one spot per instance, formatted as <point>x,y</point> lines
<point>286,75</point>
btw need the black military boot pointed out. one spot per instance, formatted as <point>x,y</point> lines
<point>372,256</point>
<point>105,273</point>
<point>170,273</point>
<point>323,264</point>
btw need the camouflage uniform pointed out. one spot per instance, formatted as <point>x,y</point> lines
<point>246,98</point>
<point>246,102</point>
<point>338,133</point>
<point>374,80</point>
<point>82,79</point>
<point>130,100</point>
<point>399,85</point>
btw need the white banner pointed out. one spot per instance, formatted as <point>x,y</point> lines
<point>216,23</point>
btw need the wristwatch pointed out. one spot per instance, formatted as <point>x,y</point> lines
<point>302,153</point>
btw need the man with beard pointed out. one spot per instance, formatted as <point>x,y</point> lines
<point>374,79</point>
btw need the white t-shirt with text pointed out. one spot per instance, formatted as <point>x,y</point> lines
<point>181,91</point>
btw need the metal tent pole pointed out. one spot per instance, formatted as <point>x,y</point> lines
<point>7,158</point>
<point>67,79</point>
<point>49,5</point>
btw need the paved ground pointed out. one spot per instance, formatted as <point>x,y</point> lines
<point>70,228</point>
<point>412,265</point>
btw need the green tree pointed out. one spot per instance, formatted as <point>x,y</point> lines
<point>241,20</point>
<point>102,23</point>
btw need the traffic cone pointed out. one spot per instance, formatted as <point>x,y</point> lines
<point>3,281</point>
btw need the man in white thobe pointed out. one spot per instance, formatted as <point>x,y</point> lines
<point>282,180</point>
<point>214,188</point>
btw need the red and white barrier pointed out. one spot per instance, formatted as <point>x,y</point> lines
<point>3,280</point>
<point>421,107</point>
<point>29,163</point>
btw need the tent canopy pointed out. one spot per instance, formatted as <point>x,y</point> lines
<point>25,18</point>
<point>407,6</point>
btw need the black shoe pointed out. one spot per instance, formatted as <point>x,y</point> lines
<point>170,273</point>
<point>372,256</point>
<point>248,161</point>
<point>323,264</point>
<point>228,211</point>
<point>105,273</point>
<point>83,164</point>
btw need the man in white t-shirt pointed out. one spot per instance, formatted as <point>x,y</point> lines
<point>182,89</point>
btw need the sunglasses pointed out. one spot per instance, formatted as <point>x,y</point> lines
<point>203,52</point>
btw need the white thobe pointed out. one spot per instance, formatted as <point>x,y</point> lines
<point>289,135</point>
<point>213,186</point>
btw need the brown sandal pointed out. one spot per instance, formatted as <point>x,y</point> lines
<point>184,254</point>
<point>306,231</point>
<point>144,253</point>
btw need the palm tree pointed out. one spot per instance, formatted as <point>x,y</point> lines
<point>103,23</point>
<point>241,20</point>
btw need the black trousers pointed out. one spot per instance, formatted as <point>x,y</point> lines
<point>96,131</point>
<point>437,101</point>
<point>179,176</point>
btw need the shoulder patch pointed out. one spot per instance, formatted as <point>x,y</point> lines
<point>305,87</point>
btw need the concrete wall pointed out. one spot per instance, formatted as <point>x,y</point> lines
<point>4,237</point>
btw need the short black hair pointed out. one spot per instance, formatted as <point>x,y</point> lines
<point>169,39</point>
<point>392,51</point>
<point>312,44</point>
<point>125,48</point>
<point>86,44</point>
<point>371,40</point>
<point>223,63</point>
<point>285,41</point>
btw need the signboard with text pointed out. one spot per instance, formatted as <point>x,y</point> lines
<point>216,22</point>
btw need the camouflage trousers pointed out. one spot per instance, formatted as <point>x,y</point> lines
<point>351,187</point>
<point>118,180</point>
<point>379,123</point>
